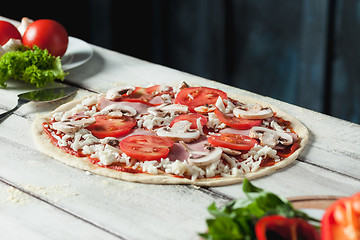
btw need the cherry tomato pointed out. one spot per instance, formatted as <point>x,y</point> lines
<point>199,96</point>
<point>7,31</point>
<point>342,220</point>
<point>279,227</point>
<point>47,34</point>
<point>235,122</point>
<point>232,141</point>
<point>106,126</point>
<point>146,147</point>
<point>193,117</point>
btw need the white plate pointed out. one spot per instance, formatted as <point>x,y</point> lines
<point>314,206</point>
<point>77,53</point>
<point>314,212</point>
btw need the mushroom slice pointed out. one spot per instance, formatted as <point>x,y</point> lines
<point>180,131</point>
<point>205,109</point>
<point>220,105</point>
<point>202,158</point>
<point>182,86</point>
<point>269,137</point>
<point>253,112</point>
<point>117,93</point>
<point>167,108</point>
<point>118,110</point>
<point>73,126</point>
<point>231,151</point>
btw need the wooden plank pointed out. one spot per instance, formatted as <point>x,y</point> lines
<point>23,216</point>
<point>118,206</point>
<point>121,207</point>
<point>301,179</point>
<point>66,188</point>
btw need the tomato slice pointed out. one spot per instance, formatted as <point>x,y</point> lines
<point>280,227</point>
<point>235,122</point>
<point>145,95</point>
<point>146,147</point>
<point>106,126</point>
<point>199,96</point>
<point>192,117</point>
<point>232,141</point>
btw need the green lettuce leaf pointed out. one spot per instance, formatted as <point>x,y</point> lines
<point>34,66</point>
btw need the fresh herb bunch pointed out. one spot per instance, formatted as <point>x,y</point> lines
<point>237,219</point>
<point>34,66</point>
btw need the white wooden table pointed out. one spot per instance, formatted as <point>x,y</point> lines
<point>41,198</point>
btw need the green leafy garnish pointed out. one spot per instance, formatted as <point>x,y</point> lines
<point>34,66</point>
<point>237,219</point>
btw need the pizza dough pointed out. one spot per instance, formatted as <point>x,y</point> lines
<point>47,147</point>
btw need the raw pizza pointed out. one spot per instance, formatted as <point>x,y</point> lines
<point>171,135</point>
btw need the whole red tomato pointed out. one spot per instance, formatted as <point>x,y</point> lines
<point>7,31</point>
<point>47,34</point>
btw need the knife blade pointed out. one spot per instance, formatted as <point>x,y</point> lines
<point>44,95</point>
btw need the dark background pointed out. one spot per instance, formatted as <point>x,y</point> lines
<point>305,52</point>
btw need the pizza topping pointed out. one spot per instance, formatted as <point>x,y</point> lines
<point>107,126</point>
<point>181,86</point>
<point>220,105</point>
<point>108,155</point>
<point>205,109</point>
<point>269,137</point>
<point>145,147</point>
<point>118,110</point>
<point>202,158</point>
<point>160,115</point>
<point>117,93</point>
<point>253,112</point>
<point>72,126</point>
<point>214,122</point>
<point>231,151</point>
<point>199,96</point>
<point>180,131</point>
<point>197,120</point>
<point>81,139</point>
<point>149,95</point>
<point>114,142</point>
<point>236,122</point>
<point>167,109</point>
<point>232,141</point>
